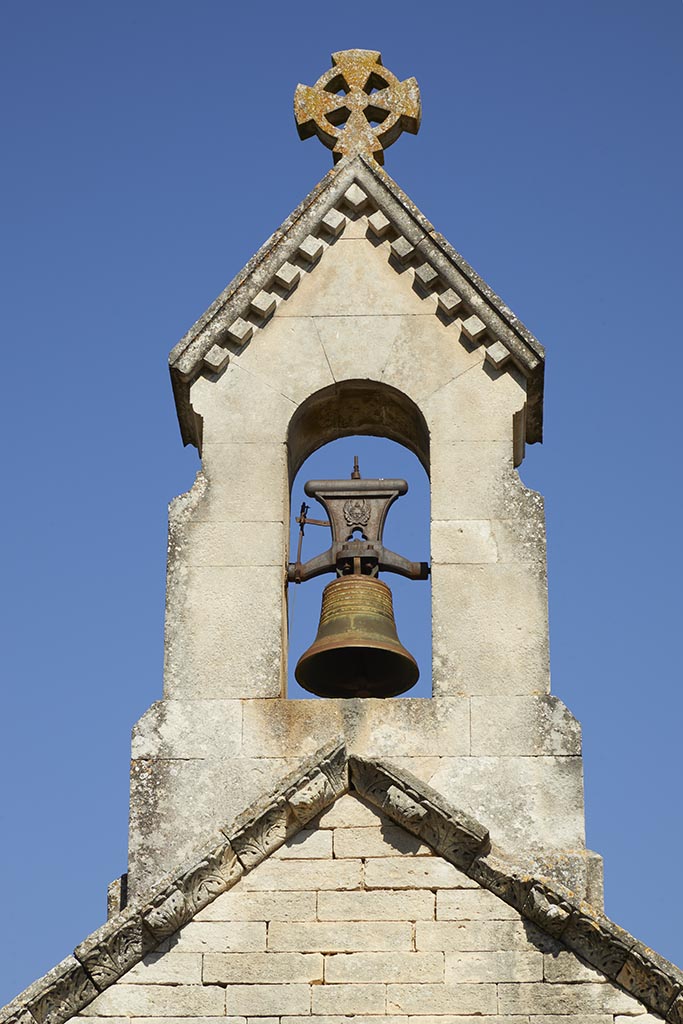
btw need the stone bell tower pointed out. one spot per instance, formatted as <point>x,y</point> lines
<point>386,860</point>
<point>357,317</point>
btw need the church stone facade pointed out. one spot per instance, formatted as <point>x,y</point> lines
<point>401,861</point>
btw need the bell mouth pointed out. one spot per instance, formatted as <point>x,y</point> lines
<point>356,652</point>
<point>356,670</point>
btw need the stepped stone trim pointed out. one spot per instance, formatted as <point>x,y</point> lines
<point>361,186</point>
<point>241,845</point>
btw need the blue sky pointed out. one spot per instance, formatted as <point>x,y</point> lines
<point>149,150</point>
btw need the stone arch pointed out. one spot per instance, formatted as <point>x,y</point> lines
<point>356,407</point>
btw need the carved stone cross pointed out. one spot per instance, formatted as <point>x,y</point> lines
<point>358,106</point>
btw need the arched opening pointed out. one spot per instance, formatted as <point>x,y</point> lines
<point>387,432</point>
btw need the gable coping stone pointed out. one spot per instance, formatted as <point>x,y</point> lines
<point>118,945</point>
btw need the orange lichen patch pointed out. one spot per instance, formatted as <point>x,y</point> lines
<point>358,106</point>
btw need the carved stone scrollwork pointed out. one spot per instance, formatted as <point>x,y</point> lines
<point>643,977</point>
<point>335,768</point>
<point>547,909</point>
<point>16,1016</point>
<point>218,871</point>
<point>675,1014</point>
<point>602,943</point>
<point>502,879</point>
<point>311,799</point>
<point>450,833</point>
<point>66,990</point>
<point>118,947</point>
<point>261,836</point>
<point>286,812</point>
<point>404,810</point>
<point>169,912</point>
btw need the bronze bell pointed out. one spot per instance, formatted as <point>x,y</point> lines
<point>357,652</point>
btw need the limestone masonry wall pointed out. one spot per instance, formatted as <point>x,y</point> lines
<point>354,918</point>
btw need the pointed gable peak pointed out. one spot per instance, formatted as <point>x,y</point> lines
<point>356,194</point>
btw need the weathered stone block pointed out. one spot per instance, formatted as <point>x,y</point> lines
<point>189,729</point>
<point>518,798</point>
<point>471,479</point>
<point>240,331</point>
<point>252,968</point>
<point>160,1001</point>
<point>426,276</point>
<point>237,905</point>
<point>349,812</point>
<point>267,1000</point>
<point>167,969</point>
<point>414,873</point>
<point>420,378</point>
<point>263,304</point>
<point>354,279</point>
<point>229,936</point>
<point>379,224</point>
<point>564,966</point>
<point>521,725</point>
<point>384,967</point>
<point>493,967</point>
<point>306,845</point>
<point>288,276</point>
<point>234,472</point>
<point>473,327</point>
<point>376,906</point>
<point>402,249</point>
<point>216,358</point>
<point>213,653</point>
<point>199,792</point>
<point>372,728</point>
<point>311,249</point>
<point>490,631</point>
<point>275,357</point>
<point>473,408</point>
<point>497,354</point>
<point>334,222</point>
<point>449,302</point>
<point>441,999</point>
<point>355,197</point>
<point>464,541</point>
<point>230,543</point>
<point>472,905</point>
<point>580,999</point>
<point>472,936</point>
<point>306,874</point>
<point>377,842</point>
<point>232,408</point>
<point>340,936</point>
<point>353,998</point>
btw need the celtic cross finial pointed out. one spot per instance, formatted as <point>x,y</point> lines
<point>358,106</point>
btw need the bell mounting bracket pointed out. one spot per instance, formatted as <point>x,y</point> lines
<point>354,507</point>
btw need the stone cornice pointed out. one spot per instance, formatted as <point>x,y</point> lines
<point>107,954</point>
<point>354,185</point>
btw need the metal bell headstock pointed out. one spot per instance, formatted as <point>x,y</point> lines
<point>354,506</point>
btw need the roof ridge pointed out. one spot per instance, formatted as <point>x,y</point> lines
<point>238,847</point>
